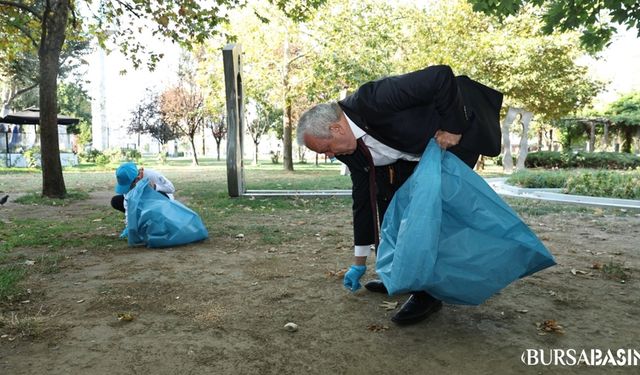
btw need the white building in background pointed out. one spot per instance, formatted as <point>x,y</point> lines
<point>99,123</point>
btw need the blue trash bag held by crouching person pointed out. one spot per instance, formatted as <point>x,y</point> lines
<point>156,221</point>
<point>448,233</point>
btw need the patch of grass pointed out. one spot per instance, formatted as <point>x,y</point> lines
<point>534,207</point>
<point>10,275</point>
<point>37,198</point>
<point>270,235</point>
<point>25,326</point>
<point>540,178</point>
<point>87,232</point>
<point>615,271</point>
<point>48,263</point>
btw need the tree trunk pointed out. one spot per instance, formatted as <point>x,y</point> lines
<point>255,154</point>
<point>204,141</point>
<point>287,147</point>
<point>627,133</point>
<point>540,132</point>
<point>54,26</point>
<point>287,157</point>
<point>193,147</point>
<point>218,148</point>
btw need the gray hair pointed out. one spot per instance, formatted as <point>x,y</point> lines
<point>316,121</point>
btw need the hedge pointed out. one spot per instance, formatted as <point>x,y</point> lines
<point>595,160</point>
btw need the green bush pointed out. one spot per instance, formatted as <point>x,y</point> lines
<point>595,160</point>
<point>604,160</point>
<point>539,179</point>
<point>612,184</point>
<point>115,155</point>
<point>33,157</point>
<point>546,159</point>
<point>90,156</point>
<point>102,160</point>
<point>497,160</point>
<point>132,155</point>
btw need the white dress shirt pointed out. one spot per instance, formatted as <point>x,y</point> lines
<point>382,155</point>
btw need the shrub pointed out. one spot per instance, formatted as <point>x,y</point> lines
<point>613,184</point>
<point>595,160</point>
<point>604,160</point>
<point>539,179</point>
<point>114,155</point>
<point>132,155</point>
<point>546,159</point>
<point>33,157</point>
<point>89,156</point>
<point>102,160</point>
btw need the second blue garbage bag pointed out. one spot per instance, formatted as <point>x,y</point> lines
<point>154,220</point>
<point>447,232</point>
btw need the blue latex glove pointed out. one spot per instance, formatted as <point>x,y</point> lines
<point>352,277</point>
<point>125,233</point>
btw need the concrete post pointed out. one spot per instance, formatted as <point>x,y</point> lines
<point>507,161</point>
<point>524,140</point>
<point>232,61</point>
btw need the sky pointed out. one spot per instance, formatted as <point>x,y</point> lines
<point>619,64</point>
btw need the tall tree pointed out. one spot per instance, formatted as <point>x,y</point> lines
<point>625,114</point>
<point>183,105</point>
<point>594,18</point>
<point>264,119</point>
<point>218,126</point>
<point>535,71</point>
<point>146,118</point>
<point>44,25</point>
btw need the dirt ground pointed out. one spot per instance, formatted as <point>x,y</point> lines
<point>220,306</point>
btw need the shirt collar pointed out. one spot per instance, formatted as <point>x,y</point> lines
<point>357,132</point>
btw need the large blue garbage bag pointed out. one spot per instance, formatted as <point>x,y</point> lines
<point>447,232</point>
<point>156,221</point>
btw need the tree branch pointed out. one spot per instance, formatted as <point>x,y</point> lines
<point>21,6</point>
<point>20,92</point>
<point>26,33</point>
<point>129,8</point>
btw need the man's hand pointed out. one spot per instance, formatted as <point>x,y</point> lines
<point>446,139</point>
<point>352,277</point>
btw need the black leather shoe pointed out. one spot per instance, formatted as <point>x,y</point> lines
<point>418,307</point>
<point>376,286</point>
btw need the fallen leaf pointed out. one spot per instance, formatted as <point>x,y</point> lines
<point>240,236</point>
<point>125,317</point>
<point>80,301</point>
<point>550,325</point>
<point>377,327</point>
<point>578,272</point>
<point>522,311</point>
<point>596,266</point>
<point>389,305</point>
<point>29,262</point>
<point>338,273</point>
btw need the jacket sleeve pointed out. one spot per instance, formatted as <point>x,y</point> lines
<point>363,220</point>
<point>434,85</point>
